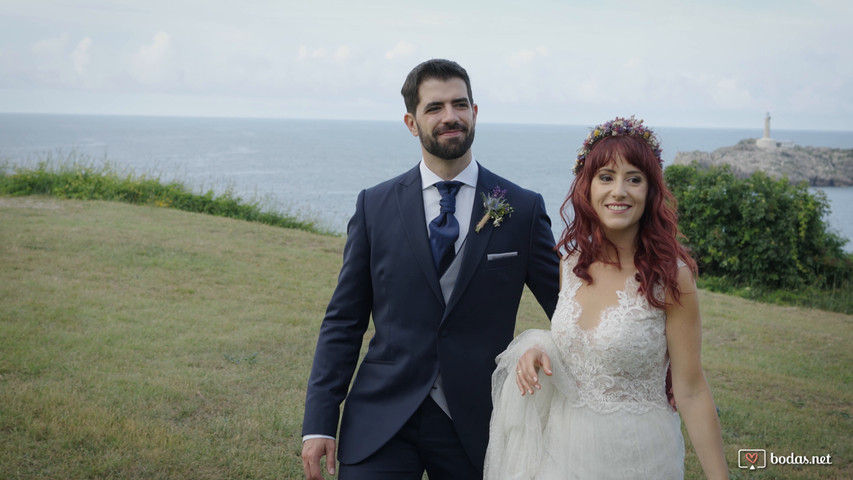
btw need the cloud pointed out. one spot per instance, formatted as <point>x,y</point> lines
<point>523,57</point>
<point>342,54</point>
<point>728,93</point>
<point>81,56</point>
<point>155,53</point>
<point>305,53</point>
<point>50,46</point>
<point>402,49</point>
<point>632,63</point>
<point>527,61</point>
<point>589,90</point>
<point>156,64</point>
<point>51,62</point>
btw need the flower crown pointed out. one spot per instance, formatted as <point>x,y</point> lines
<point>631,127</point>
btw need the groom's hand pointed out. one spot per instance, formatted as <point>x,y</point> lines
<point>527,368</point>
<point>312,451</point>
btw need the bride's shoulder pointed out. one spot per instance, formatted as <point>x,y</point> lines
<point>567,268</point>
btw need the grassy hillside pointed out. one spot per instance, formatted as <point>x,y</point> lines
<point>142,342</point>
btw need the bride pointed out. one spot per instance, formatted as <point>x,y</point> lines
<point>627,311</point>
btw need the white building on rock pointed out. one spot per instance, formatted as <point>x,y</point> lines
<point>768,143</point>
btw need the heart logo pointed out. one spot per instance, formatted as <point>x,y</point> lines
<point>752,457</point>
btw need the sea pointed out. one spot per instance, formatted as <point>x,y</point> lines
<point>314,169</point>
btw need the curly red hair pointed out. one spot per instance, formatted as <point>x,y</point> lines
<point>658,249</point>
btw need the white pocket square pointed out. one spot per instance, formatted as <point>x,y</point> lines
<point>497,256</point>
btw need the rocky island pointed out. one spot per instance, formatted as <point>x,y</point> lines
<point>819,166</point>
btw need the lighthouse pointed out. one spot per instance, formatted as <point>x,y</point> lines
<point>766,141</point>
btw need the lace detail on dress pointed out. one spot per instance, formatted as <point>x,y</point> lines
<point>620,364</point>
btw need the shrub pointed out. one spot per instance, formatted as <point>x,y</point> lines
<point>757,231</point>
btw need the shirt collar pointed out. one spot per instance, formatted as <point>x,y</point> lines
<point>467,176</point>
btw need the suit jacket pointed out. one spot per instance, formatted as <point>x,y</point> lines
<point>388,272</point>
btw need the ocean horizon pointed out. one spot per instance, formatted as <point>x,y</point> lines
<point>314,169</point>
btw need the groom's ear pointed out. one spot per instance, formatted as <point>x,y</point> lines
<point>409,120</point>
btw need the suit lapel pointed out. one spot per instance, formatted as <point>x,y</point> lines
<point>410,202</point>
<point>476,243</point>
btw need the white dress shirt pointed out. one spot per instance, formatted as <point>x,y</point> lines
<point>464,198</point>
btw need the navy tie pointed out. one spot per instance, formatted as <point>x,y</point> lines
<point>444,229</point>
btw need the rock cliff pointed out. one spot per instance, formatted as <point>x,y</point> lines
<point>820,167</point>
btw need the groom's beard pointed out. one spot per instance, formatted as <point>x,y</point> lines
<point>449,149</point>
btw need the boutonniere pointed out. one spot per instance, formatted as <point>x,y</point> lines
<point>496,207</point>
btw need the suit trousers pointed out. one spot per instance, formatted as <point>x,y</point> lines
<point>426,442</point>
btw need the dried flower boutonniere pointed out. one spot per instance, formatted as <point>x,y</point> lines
<point>496,207</point>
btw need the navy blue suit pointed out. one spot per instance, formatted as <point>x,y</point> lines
<point>388,272</point>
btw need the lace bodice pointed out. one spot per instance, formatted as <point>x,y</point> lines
<point>620,364</point>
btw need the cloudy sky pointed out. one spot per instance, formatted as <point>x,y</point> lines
<point>713,63</point>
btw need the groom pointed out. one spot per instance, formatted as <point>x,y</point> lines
<point>442,279</point>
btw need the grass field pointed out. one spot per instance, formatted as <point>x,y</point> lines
<point>142,342</point>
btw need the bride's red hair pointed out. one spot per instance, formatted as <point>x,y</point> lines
<point>658,249</point>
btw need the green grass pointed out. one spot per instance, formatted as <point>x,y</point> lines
<point>143,342</point>
<point>782,380</point>
<point>81,177</point>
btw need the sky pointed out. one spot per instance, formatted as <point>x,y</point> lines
<point>720,63</point>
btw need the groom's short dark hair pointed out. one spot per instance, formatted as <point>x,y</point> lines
<point>436,68</point>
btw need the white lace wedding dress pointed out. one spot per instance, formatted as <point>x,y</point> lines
<point>604,413</point>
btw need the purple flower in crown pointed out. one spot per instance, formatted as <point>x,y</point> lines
<point>496,208</point>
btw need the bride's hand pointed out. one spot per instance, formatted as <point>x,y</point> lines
<point>527,368</point>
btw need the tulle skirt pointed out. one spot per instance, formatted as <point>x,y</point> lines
<point>546,436</point>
